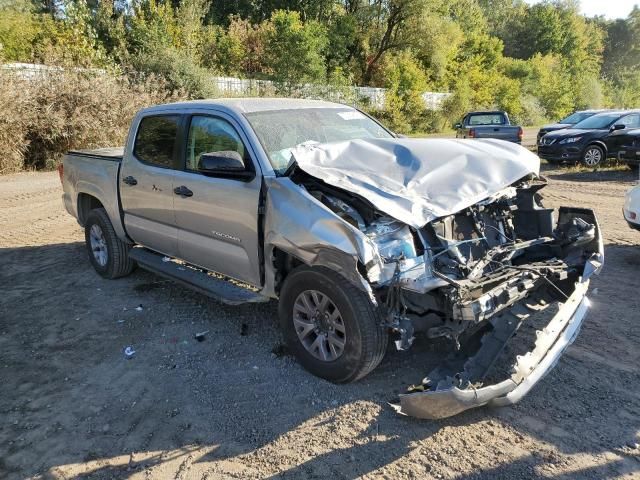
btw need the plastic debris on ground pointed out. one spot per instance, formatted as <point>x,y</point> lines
<point>129,352</point>
<point>201,336</point>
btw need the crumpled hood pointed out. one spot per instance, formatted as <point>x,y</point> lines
<point>418,180</point>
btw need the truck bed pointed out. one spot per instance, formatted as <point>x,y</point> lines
<point>94,173</point>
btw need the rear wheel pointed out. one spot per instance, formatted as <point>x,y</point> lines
<point>330,325</point>
<point>593,156</point>
<point>107,253</point>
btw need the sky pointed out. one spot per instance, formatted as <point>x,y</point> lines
<point>609,8</point>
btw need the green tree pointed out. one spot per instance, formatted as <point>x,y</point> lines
<point>406,82</point>
<point>294,49</point>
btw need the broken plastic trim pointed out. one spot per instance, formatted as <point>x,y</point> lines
<point>551,342</point>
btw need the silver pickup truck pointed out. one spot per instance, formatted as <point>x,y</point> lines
<point>360,235</point>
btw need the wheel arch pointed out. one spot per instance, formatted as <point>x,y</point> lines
<point>598,143</point>
<point>86,203</point>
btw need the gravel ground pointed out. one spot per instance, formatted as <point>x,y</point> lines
<point>236,406</point>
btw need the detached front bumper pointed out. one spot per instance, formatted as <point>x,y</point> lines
<point>550,344</point>
<point>449,397</point>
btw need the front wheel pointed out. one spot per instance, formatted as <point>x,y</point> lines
<point>107,253</point>
<point>330,325</point>
<point>593,156</point>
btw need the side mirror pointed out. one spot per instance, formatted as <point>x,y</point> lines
<point>618,126</point>
<point>225,160</point>
<point>457,126</point>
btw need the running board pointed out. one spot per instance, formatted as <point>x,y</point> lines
<point>202,281</point>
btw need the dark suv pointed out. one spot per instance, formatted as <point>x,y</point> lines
<point>591,141</point>
<point>568,122</point>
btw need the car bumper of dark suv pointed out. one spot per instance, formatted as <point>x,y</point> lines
<point>560,153</point>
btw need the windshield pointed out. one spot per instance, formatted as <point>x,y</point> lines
<point>577,117</point>
<point>598,121</point>
<point>281,130</point>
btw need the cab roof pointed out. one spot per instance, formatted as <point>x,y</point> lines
<point>249,105</point>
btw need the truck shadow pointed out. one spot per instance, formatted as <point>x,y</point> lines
<point>75,408</point>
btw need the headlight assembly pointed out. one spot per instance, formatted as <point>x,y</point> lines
<point>570,140</point>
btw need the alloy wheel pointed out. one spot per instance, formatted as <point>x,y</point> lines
<point>319,325</point>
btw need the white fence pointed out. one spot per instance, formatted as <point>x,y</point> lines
<point>232,86</point>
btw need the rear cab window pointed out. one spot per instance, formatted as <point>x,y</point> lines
<point>157,139</point>
<point>486,119</point>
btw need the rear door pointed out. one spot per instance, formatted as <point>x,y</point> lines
<point>617,138</point>
<point>146,183</point>
<point>218,222</point>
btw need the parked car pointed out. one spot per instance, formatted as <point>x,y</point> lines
<point>591,141</point>
<point>568,122</point>
<point>358,234</point>
<point>631,209</point>
<point>493,124</point>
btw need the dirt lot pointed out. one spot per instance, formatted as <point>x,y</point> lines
<point>233,406</point>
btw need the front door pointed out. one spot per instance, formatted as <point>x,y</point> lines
<point>217,217</point>
<point>146,183</point>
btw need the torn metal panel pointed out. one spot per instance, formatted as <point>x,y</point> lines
<point>300,225</point>
<point>413,180</point>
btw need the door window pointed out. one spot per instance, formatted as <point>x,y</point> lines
<point>212,135</point>
<point>630,121</point>
<point>156,140</point>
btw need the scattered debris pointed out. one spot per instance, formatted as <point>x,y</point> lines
<point>244,330</point>
<point>121,321</point>
<point>129,352</point>
<point>139,308</point>
<point>201,336</point>
<point>594,292</point>
<point>166,259</point>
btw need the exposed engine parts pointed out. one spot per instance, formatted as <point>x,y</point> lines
<point>460,270</point>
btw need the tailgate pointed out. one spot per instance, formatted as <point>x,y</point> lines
<point>498,132</point>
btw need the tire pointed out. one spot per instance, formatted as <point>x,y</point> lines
<point>107,253</point>
<point>358,325</point>
<point>593,156</point>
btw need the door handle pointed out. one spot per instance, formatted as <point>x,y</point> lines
<point>130,180</point>
<point>183,191</point>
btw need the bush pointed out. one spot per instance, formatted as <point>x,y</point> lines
<point>179,73</point>
<point>42,118</point>
<point>16,113</point>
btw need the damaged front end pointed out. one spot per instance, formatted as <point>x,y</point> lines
<point>510,308</point>
<point>499,278</point>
